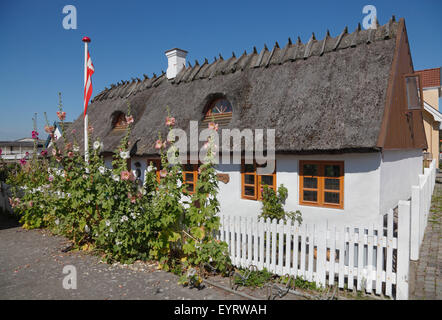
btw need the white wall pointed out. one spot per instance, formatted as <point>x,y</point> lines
<point>400,170</point>
<point>361,189</point>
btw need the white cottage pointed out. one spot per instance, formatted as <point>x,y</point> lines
<point>346,110</point>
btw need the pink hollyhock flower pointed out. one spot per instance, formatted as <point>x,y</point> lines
<point>49,129</point>
<point>170,121</point>
<point>129,119</point>
<point>159,144</point>
<point>34,134</point>
<point>22,162</point>
<point>27,154</point>
<point>163,173</point>
<point>1,151</point>
<point>51,178</point>
<point>213,126</point>
<point>132,198</point>
<point>61,115</point>
<point>31,203</point>
<point>70,154</point>
<point>44,153</point>
<point>125,175</point>
<point>74,131</point>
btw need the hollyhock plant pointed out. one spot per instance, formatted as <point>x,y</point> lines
<point>34,134</point>
<point>159,144</point>
<point>22,162</point>
<point>44,153</point>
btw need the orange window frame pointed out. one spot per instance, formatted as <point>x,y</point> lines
<point>194,174</point>
<point>157,164</point>
<point>320,187</point>
<point>257,182</point>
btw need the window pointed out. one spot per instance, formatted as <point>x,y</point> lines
<point>413,92</point>
<point>251,182</point>
<point>119,121</point>
<point>321,183</point>
<point>190,176</point>
<point>219,111</point>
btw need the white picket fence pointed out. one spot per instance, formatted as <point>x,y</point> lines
<point>373,257</point>
<point>420,207</point>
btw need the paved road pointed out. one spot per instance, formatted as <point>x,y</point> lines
<point>425,274</point>
<point>31,267</point>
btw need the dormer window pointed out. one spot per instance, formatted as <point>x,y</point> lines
<point>218,111</point>
<point>413,92</point>
<point>119,122</point>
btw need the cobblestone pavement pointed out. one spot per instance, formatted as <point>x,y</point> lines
<point>32,262</point>
<point>425,277</point>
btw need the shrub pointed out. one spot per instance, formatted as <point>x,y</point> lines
<point>273,205</point>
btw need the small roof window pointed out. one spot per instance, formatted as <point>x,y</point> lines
<point>219,111</point>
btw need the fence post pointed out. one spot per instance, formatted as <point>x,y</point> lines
<point>415,223</point>
<point>403,250</point>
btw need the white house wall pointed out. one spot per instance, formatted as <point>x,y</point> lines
<point>361,189</point>
<point>400,170</point>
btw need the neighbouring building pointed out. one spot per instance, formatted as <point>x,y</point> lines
<point>13,151</point>
<point>432,92</point>
<point>347,111</point>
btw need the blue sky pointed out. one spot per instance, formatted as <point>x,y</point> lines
<point>39,58</point>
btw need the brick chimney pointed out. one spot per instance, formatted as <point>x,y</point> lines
<point>176,61</point>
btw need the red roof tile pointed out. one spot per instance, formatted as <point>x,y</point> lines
<point>430,77</point>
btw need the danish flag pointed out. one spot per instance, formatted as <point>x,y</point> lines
<point>88,85</point>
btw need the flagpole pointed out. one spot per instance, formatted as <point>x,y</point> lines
<point>86,40</point>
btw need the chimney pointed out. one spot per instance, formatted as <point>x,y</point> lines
<point>176,61</point>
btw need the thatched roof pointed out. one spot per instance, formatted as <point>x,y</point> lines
<point>323,95</point>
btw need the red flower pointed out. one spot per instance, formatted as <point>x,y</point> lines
<point>44,153</point>
<point>1,151</point>
<point>61,115</point>
<point>34,135</point>
<point>22,162</point>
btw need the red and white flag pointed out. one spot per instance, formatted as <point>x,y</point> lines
<point>88,85</point>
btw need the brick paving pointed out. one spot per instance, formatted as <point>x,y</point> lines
<point>425,277</point>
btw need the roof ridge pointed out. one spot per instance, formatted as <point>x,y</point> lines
<point>264,58</point>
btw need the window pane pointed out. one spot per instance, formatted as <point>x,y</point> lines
<point>332,170</point>
<point>249,191</point>
<point>331,197</point>
<point>189,187</point>
<point>267,180</point>
<point>332,184</point>
<point>310,195</point>
<point>249,168</point>
<point>310,183</point>
<point>413,93</point>
<point>249,179</point>
<point>189,177</point>
<point>310,169</point>
<point>221,106</point>
<point>188,167</point>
